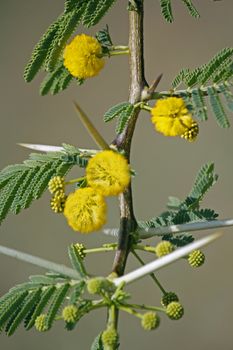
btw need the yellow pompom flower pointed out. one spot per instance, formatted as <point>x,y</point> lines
<point>171,116</point>
<point>83,57</point>
<point>108,172</point>
<point>85,210</point>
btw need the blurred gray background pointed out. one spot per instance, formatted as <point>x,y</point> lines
<point>165,166</point>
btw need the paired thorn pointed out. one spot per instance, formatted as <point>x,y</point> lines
<point>148,91</point>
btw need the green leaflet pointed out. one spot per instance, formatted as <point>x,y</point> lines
<point>95,10</point>
<point>116,110</point>
<point>76,261</point>
<point>180,77</point>
<point>44,299</point>
<point>11,304</point>
<point>8,194</point>
<point>77,291</point>
<point>40,52</point>
<point>56,302</point>
<point>166,10</point>
<point>217,108</point>
<point>123,111</point>
<point>28,303</point>
<point>181,212</point>
<point>124,118</point>
<point>20,184</point>
<point>205,179</point>
<point>41,279</point>
<point>198,104</point>
<point>104,38</point>
<point>191,8</point>
<point>206,72</point>
<point>67,25</point>
<point>224,89</point>
<point>70,5</point>
<point>97,343</point>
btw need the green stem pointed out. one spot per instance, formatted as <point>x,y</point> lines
<point>145,107</point>
<point>129,310</point>
<point>143,307</point>
<point>120,47</point>
<point>152,275</point>
<point>75,180</point>
<point>100,250</point>
<point>116,53</point>
<point>145,248</point>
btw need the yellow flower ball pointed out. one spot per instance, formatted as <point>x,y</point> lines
<point>85,210</point>
<point>108,172</point>
<point>83,57</point>
<point>171,116</point>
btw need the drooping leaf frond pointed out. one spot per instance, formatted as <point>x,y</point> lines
<point>206,72</point>
<point>20,184</point>
<point>57,81</point>
<point>218,74</point>
<point>44,294</point>
<point>67,25</point>
<point>188,210</point>
<point>40,52</point>
<point>49,49</point>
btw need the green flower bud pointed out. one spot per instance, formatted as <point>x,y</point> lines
<point>96,285</point>
<point>163,248</point>
<point>196,258</point>
<point>57,183</point>
<point>57,203</point>
<point>70,313</point>
<point>174,310</point>
<point>109,337</point>
<point>40,323</point>
<point>150,320</point>
<point>167,298</point>
<point>80,250</point>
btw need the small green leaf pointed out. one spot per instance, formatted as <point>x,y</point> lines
<point>56,302</point>
<point>217,108</point>
<point>29,303</point>
<point>191,8</point>
<point>44,299</point>
<point>116,110</point>
<point>41,279</point>
<point>77,291</point>
<point>166,9</point>
<point>76,261</point>
<point>97,343</point>
<point>11,304</point>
